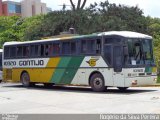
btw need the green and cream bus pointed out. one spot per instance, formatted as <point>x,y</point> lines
<point>109,59</point>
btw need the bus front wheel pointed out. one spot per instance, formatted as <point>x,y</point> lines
<point>97,83</point>
<point>25,79</point>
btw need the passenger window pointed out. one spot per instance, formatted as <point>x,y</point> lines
<point>66,48</point>
<point>88,46</point>
<point>83,46</point>
<point>50,49</point>
<point>98,46</point>
<point>26,51</point>
<point>91,46</point>
<point>6,52</point>
<point>46,50</point>
<point>19,51</point>
<point>42,50</point>
<point>32,50</point>
<point>13,52</point>
<point>56,48</point>
<point>73,48</point>
<point>37,50</point>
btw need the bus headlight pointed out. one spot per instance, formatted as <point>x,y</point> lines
<point>155,79</point>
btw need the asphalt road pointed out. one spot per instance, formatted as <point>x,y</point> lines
<point>62,99</point>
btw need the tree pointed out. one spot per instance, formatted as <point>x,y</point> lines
<point>79,5</point>
<point>9,30</point>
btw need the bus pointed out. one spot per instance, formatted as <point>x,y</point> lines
<point>1,65</point>
<point>109,59</point>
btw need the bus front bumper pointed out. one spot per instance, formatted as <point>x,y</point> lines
<point>141,81</point>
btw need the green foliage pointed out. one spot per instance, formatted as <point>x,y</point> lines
<point>32,27</point>
<point>153,25</point>
<point>18,29</point>
<point>8,29</point>
<point>158,80</point>
<point>96,18</point>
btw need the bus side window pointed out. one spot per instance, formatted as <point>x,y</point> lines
<point>73,48</point>
<point>88,46</point>
<point>32,50</point>
<point>6,52</point>
<point>98,46</point>
<point>50,49</point>
<point>37,50</point>
<point>66,48</point>
<point>83,46</point>
<point>46,50</point>
<point>56,49</point>
<point>91,46</point>
<point>42,50</point>
<point>19,51</point>
<point>12,52</point>
<point>26,51</point>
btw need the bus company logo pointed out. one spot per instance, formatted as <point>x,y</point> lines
<point>92,62</point>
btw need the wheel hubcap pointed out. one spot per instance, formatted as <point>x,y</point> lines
<point>98,83</point>
<point>25,79</point>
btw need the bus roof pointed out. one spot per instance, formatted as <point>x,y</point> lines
<point>128,34</point>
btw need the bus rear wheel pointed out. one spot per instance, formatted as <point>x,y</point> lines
<point>122,88</point>
<point>25,79</point>
<point>97,83</point>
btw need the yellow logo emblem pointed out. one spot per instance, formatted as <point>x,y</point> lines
<point>92,62</point>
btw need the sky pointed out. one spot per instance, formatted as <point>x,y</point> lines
<point>149,7</point>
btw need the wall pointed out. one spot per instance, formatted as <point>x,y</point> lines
<point>1,7</point>
<point>5,9</point>
<point>33,7</point>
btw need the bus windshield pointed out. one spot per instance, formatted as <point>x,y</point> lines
<point>140,52</point>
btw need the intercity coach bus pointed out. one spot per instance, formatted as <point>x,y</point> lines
<point>109,59</point>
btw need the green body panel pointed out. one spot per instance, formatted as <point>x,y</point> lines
<point>66,70</point>
<point>71,70</point>
<point>60,70</point>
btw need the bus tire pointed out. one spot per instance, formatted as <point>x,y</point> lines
<point>122,88</point>
<point>97,83</point>
<point>25,79</point>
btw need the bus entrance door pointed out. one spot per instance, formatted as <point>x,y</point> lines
<point>118,76</point>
